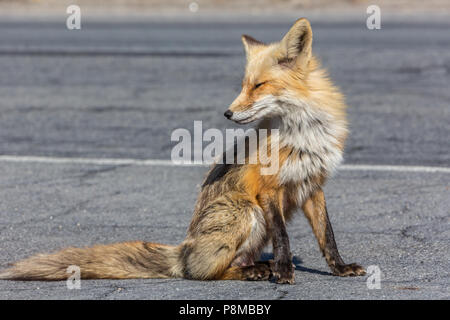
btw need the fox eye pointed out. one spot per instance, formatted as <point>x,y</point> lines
<point>259,84</point>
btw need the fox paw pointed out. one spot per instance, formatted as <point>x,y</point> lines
<point>258,272</point>
<point>283,272</point>
<point>348,270</point>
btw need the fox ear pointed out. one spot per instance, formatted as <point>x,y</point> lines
<point>296,44</point>
<point>249,43</point>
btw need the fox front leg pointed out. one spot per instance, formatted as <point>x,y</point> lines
<point>315,210</point>
<point>282,267</point>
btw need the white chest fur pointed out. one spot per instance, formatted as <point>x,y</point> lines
<point>313,135</point>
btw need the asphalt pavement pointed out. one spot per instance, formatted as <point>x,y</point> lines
<point>118,89</point>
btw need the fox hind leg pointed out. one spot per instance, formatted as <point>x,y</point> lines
<point>316,211</point>
<point>218,234</point>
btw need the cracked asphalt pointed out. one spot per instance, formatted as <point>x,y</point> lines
<point>118,90</point>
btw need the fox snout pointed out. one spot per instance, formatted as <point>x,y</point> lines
<point>237,116</point>
<point>251,111</point>
<point>241,109</point>
<point>242,114</point>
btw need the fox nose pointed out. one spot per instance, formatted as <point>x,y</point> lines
<point>228,114</point>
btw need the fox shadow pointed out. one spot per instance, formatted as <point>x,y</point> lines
<point>265,256</point>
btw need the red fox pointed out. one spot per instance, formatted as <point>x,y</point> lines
<point>239,210</point>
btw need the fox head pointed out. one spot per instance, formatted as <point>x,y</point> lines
<point>273,71</point>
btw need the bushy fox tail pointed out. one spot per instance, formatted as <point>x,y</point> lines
<point>115,261</point>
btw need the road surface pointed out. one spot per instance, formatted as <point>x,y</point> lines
<point>117,90</point>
